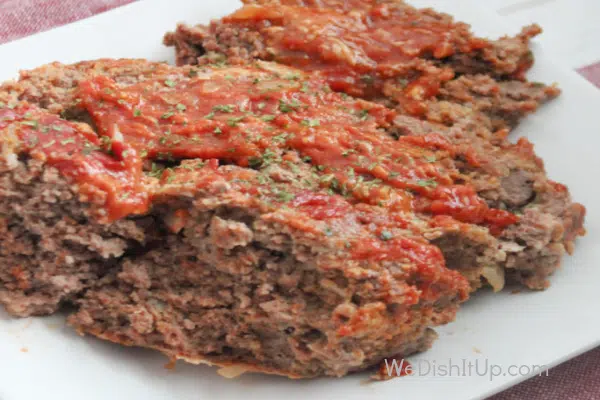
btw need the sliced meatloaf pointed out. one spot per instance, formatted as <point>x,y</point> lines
<point>489,202</point>
<point>385,51</point>
<point>260,269</point>
<point>265,271</point>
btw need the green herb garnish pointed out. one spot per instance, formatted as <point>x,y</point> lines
<point>427,183</point>
<point>288,107</point>
<point>33,124</point>
<point>233,122</point>
<point>311,122</point>
<point>363,114</point>
<point>368,79</point>
<point>285,196</point>
<point>386,235</point>
<point>226,108</point>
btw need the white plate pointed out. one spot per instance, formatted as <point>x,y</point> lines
<point>505,329</point>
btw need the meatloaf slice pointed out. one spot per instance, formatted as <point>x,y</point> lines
<point>277,109</point>
<point>385,51</point>
<point>221,264</point>
<point>53,243</point>
<point>270,274</point>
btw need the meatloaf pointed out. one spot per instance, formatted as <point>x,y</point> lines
<point>262,268</point>
<point>269,275</point>
<point>507,177</point>
<point>250,215</point>
<point>386,51</point>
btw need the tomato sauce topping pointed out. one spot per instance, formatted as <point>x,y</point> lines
<point>321,206</point>
<point>249,116</point>
<point>79,154</point>
<point>359,45</point>
<point>463,204</point>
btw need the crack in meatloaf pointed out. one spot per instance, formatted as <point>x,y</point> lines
<point>260,218</point>
<point>421,62</point>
